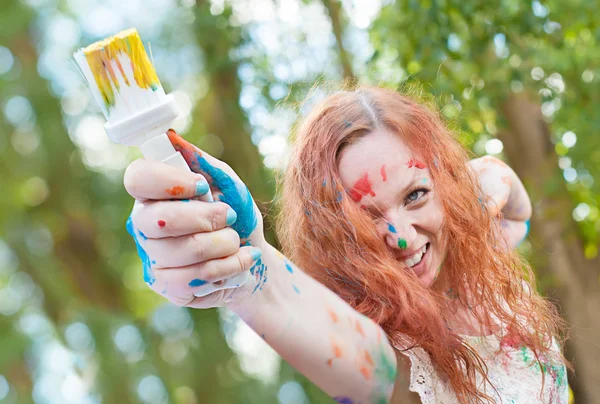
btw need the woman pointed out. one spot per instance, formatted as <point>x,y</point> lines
<point>400,273</point>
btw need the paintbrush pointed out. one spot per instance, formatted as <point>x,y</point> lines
<point>138,112</point>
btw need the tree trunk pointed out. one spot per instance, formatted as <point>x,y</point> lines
<point>560,255</point>
<point>333,8</point>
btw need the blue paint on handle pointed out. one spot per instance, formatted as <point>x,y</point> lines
<point>146,264</point>
<point>197,282</point>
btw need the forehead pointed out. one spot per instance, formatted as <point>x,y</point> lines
<point>371,152</point>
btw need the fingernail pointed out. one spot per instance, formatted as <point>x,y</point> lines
<point>255,253</point>
<point>231,216</point>
<point>201,187</point>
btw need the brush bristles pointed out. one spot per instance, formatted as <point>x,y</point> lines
<point>120,75</point>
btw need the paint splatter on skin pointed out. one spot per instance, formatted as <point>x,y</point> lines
<point>383,173</point>
<point>402,243</point>
<point>234,193</point>
<point>296,288</point>
<point>161,223</point>
<point>337,352</point>
<point>391,228</point>
<point>361,187</point>
<point>197,282</point>
<point>416,163</point>
<point>289,267</point>
<point>146,263</point>
<point>359,328</point>
<point>334,317</point>
<point>424,181</point>
<point>343,400</point>
<point>259,270</point>
<point>176,190</point>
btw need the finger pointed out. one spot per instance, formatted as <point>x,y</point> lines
<point>190,249</point>
<point>148,179</point>
<point>223,180</point>
<point>180,284</point>
<point>161,219</point>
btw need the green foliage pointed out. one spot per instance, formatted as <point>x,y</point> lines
<point>75,315</point>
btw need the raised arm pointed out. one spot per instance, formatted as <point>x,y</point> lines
<point>189,247</point>
<point>341,351</point>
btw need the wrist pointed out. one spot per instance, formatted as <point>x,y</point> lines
<point>257,293</point>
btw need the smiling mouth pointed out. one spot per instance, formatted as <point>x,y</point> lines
<point>417,261</point>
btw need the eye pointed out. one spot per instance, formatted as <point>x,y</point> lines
<point>416,194</point>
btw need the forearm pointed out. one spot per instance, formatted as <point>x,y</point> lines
<point>343,352</point>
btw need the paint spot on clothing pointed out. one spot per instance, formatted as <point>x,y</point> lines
<point>402,243</point>
<point>161,223</point>
<point>146,265</point>
<point>383,173</point>
<point>416,163</point>
<point>197,282</point>
<point>391,228</point>
<point>176,190</point>
<point>361,187</point>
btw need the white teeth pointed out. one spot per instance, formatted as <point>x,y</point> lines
<point>416,258</point>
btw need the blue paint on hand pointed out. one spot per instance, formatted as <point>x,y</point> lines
<point>234,194</point>
<point>259,270</point>
<point>197,282</point>
<point>391,228</point>
<point>146,264</point>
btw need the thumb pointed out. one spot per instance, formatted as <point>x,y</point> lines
<point>233,191</point>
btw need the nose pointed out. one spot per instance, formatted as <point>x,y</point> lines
<point>401,234</point>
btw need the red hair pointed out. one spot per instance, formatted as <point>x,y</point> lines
<point>334,241</point>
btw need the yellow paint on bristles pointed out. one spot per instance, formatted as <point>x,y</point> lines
<point>99,56</point>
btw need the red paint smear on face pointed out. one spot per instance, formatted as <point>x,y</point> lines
<point>161,223</point>
<point>383,174</point>
<point>176,190</point>
<point>361,188</point>
<point>416,163</point>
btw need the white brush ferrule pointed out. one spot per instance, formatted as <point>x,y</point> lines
<point>139,128</point>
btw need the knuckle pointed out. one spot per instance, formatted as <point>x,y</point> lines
<point>131,178</point>
<point>212,271</point>
<point>199,246</point>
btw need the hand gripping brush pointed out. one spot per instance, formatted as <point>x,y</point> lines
<point>138,112</point>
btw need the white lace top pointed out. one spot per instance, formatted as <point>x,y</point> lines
<point>514,373</point>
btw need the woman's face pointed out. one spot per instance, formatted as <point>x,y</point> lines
<point>389,181</point>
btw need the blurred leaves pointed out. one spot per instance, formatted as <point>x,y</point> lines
<point>76,321</point>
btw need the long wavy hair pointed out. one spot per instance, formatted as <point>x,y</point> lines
<point>334,241</point>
